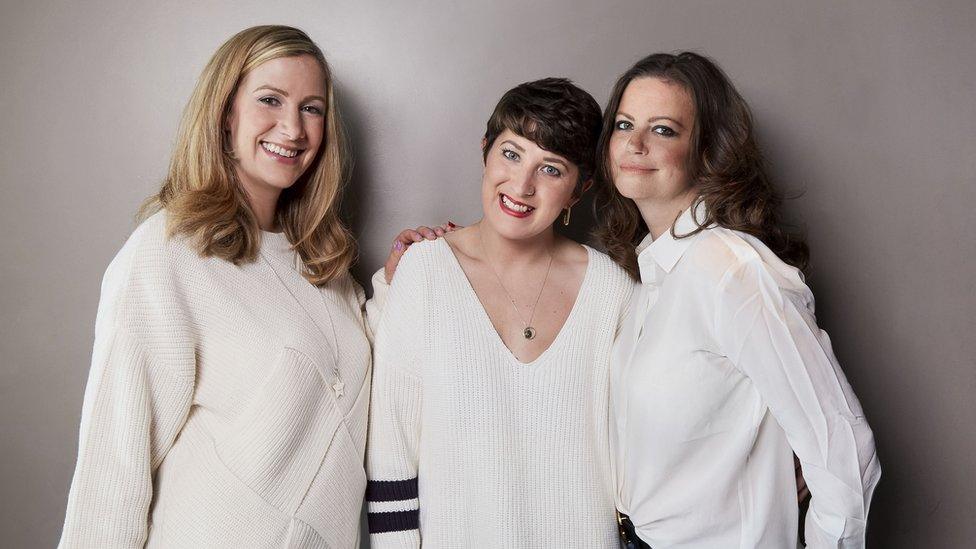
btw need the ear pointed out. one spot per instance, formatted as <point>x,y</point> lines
<point>484,154</point>
<point>587,185</point>
<point>230,113</point>
<point>583,188</point>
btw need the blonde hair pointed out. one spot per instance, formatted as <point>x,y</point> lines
<point>201,194</point>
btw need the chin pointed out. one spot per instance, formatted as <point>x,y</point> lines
<point>631,188</point>
<point>516,234</point>
<point>628,191</point>
<point>515,229</point>
<point>280,183</point>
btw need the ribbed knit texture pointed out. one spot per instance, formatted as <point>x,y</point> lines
<point>211,417</point>
<point>506,454</point>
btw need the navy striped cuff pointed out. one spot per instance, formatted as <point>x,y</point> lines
<point>391,490</point>
<point>394,521</point>
<point>389,503</point>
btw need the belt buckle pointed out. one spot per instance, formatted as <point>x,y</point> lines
<point>628,543</point>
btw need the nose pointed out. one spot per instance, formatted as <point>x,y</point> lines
<point>292,125</point>
<point>523,183</point>
<point>635,143</point>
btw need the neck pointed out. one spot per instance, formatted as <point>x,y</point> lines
<point>660,215</point>
<point>263,200</point>
<point>506,252</point>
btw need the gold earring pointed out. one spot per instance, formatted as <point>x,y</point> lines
<point>566,216</point>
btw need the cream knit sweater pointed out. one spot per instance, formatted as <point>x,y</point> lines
<point>493,452</point>
<point>226,405</point>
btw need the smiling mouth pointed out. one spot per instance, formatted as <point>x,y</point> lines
<point>514,207</point>
<point>278,150</point>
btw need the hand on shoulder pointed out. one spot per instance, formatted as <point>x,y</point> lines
<point>407,238</point>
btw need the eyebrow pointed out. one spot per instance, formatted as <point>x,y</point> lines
<point>285,94</point>
<point>514,144</point>
<point>652,119</point>
<point>553,159</point>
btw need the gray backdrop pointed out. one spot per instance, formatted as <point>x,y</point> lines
<point>868,108</point>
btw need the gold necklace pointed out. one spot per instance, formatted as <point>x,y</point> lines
<point>528,331</point>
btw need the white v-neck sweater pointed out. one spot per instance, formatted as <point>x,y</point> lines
<point>226,405</point>
<point>493,452</point>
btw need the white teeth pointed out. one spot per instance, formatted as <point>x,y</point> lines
<point>281,151</point>
<point>513,206</point>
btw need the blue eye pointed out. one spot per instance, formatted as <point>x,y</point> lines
<point>623,125</point>
<point>551,170</point>
<point>664,131</point>
<point>510,154</point>
<point>270,100</point>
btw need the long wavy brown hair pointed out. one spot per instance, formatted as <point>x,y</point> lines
<point>724,162</point>
<point>201,193</point>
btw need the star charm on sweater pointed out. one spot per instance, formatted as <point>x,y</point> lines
<point>339,387</point>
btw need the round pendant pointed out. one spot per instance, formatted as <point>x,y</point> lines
<point>529,333</point>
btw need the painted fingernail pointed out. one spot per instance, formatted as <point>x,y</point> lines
<point>451,224</point>
<point>398,246</point>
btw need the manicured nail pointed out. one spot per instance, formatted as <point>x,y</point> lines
<point>451,224</point>
<point>398,246</point>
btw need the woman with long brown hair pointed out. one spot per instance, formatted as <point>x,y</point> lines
<point>226,404</point>
<point>720,373</point>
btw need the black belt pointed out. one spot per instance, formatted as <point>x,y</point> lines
<point>627,533</point>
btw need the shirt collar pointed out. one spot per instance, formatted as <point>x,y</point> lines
<point>667,250</point>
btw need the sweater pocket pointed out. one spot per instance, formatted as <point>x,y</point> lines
<point>199,502</point>
<point>332,507</point>
<point>333,504</point>
<point>279,443</point>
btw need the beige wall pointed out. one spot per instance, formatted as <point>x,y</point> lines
<point>868,107</point>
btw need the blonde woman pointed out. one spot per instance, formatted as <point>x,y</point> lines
<point>227,400</point>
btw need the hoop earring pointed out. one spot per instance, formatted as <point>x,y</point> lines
<point>566,216</point>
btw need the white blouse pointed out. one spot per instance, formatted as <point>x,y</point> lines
<point>719,375</point>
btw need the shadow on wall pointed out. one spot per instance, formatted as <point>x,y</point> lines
<point>359,188</point>
<point>839,311</point>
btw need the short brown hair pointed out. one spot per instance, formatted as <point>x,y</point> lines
<point>555,114</point>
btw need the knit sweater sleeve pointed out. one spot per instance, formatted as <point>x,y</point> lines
<point>396,405</point>
<point>138,396</point>
<point>374,306</point>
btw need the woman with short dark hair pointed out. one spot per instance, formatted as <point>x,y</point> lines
<point>720,372</point>
<point>488,422</point>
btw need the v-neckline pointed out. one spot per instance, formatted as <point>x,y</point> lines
<point>485,318</point>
